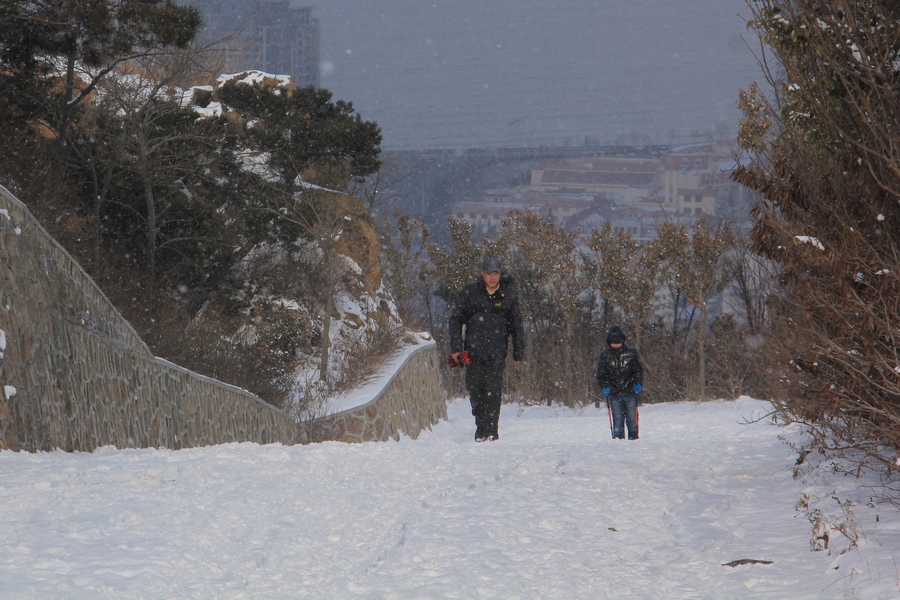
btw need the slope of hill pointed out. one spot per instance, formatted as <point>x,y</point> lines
<point>705,505</point>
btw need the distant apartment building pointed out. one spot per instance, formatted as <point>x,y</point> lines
<point>609,180</point>
<point>642,223</point>
<point>634,196</point>
<point>487,215</point>
<point>695,178</point>
<point>268,35</point>
<point>631,196</point>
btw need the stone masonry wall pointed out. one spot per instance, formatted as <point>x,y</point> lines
<point>414,399</point>
<point>74,375</point>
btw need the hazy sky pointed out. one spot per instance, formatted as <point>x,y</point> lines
<point>476,73</point>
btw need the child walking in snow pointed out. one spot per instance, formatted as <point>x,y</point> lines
<point>620,377</point>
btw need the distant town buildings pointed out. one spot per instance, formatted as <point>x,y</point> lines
<point>267,35</point>
<point>633,195</point>
<point>619,181</point>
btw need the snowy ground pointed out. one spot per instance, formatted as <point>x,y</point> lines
<point>555,509</point>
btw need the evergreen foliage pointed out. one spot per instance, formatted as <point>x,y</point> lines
<point>171,211</point>
<point>303,128</point>
<point>80,42</point>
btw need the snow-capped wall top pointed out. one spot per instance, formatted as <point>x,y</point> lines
<point>260,78</point>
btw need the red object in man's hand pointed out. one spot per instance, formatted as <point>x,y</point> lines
<point>462,361</point>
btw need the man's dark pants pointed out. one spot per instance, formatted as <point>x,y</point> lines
<point>484,381</point>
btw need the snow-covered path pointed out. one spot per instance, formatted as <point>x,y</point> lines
<point>555,509</point>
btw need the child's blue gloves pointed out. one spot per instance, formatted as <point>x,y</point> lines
<point>605,391</point>
<point>637,388</point>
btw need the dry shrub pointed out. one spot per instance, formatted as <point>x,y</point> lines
<point>357,358</point>
<point>667,367</point>
<point>207,342</point>
<point>27,170</point>
<point>828,178</point>
<point>737,365</point>
<point>453,379</point>
<point>360,355</point>
<point>736,361</point>
<point>561,361</point>
<point>258,368</point>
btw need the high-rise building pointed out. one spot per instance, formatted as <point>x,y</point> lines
<point>268,35</point>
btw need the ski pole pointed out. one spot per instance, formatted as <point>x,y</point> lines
<point>609,413</point>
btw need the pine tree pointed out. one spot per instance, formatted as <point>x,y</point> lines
<point>90,39</point>
<point>304,127</point>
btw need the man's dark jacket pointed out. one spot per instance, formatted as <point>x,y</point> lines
<point>490,319</point>
<point>619,370</point>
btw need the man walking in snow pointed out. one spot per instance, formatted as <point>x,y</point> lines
<point>620,377</point>
<point>485,316</point>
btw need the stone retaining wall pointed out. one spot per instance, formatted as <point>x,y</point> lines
<point>74,375</point>
<point>413,400</point>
